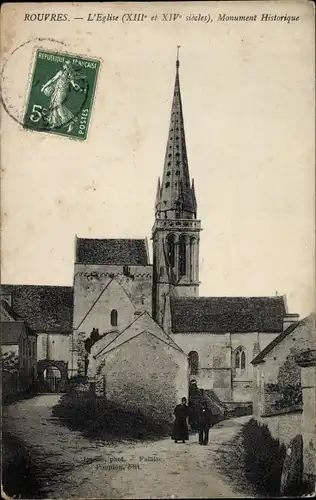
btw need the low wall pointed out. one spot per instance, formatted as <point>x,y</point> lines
<point>234,409</point>
<point>284,424</point>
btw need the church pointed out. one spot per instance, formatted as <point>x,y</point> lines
<point>139,330</point>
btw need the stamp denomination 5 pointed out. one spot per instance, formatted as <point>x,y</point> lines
<point>61,94</point>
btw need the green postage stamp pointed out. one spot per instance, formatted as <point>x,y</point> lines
<point>61,94</point>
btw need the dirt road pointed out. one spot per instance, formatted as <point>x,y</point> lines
<point>73,466</point>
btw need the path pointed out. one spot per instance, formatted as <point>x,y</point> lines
<point>73,466</point>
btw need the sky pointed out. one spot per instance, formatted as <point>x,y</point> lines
<point>248,102</point>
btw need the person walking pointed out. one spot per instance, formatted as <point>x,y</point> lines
<point>204,423</point>
<point>180,430</point>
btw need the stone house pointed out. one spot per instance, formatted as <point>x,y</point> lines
<point>275,368</point>
<point>284,389</point>
<point>307,361</point>
<point>47,310</point>
<point>140,368</point>
<point>19,341</point>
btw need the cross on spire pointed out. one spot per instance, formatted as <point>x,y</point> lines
<point>178,62</point>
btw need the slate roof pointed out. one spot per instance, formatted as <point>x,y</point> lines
<point>260,357</point>
<point>116,252</point>
<point>44,308</point>
<point>4,304</point>
<point>227,314</point>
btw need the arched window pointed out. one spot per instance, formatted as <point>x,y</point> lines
<point>193,362</point>
<point>243,361</point>
<point>182,255</point>
<point>170,249</point>
<point>237,360</point>
<point>114,317</point>
<point>240,360</point>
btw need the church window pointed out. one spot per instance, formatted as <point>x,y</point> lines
<point>169,163</point>
<point>114,317</point>
<point>243,360</point>
<point>193,362</point>
<point>182,255</point>
<point>177,137</point>
<point>237,360</point>
<point>161,271</point>
<point>170,153</point>
<point>240,360</point>
<point>167,184</point>
<point>170,249</point>
<point>177,172</point>
<point>168,173</point>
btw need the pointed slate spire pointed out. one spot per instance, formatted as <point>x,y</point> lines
<point>176,194</point>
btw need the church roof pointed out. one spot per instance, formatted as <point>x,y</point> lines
<point>131,252</point>
<point>44,308</point>
<point>227,314</point>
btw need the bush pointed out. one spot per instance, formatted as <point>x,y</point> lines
<point>99,418</point>
<point>264,458</point>
<point>19,473</point>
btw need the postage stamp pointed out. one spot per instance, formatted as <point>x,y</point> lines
<point>61,94</point>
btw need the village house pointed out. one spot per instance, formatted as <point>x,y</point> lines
<point>284,388</point>
<point>47,310</point>
<point>277,377</point>
<point>18,350</point>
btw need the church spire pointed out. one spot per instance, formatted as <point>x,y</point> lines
<point>177,199</point>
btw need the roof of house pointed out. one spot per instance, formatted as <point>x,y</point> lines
<point>116,252</point>
<point>44,308</point>
<point>9,310</point>
<point>227,314</point>
<point>141,324</point>
<point>260,357</point>
<point>11,332</point>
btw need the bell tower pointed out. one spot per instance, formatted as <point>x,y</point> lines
<point>176,231</point>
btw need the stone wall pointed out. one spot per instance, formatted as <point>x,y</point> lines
<point>146,374</point>
<point>214,351</point>
<point>99,289</point>
<point>307,362</point>
<point>283,425</point>
<point>53,346</point>
<point>280,369</point>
